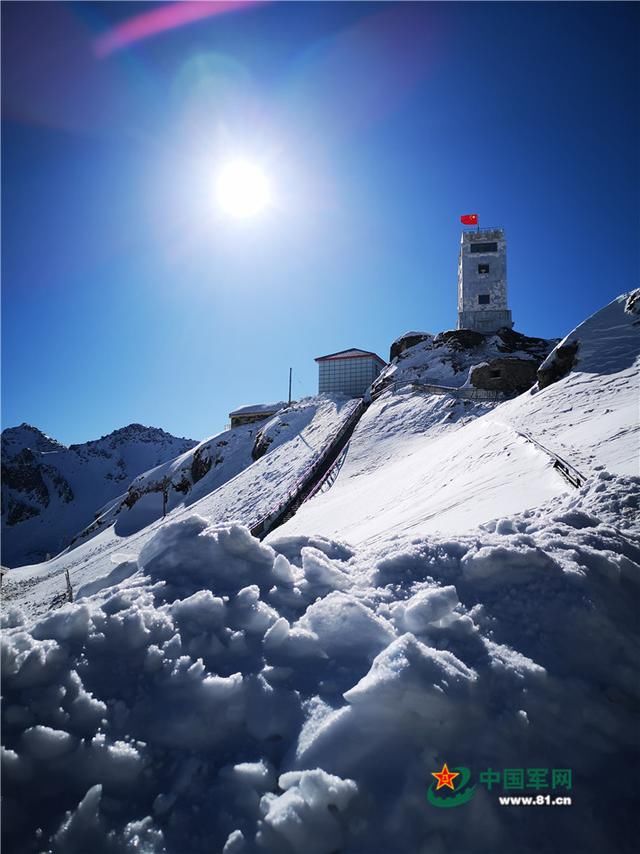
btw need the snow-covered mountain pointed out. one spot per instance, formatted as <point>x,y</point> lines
<point>50,491</point>
<point>452,597</point>
<point>200,478</point>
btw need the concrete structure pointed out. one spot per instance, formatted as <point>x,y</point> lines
<point>482,281</point>
<point>348,372</point>
<point>254,412</point>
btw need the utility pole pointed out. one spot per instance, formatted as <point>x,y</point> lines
<point>290,371</point>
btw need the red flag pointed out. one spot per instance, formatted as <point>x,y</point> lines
<point>469,219</point>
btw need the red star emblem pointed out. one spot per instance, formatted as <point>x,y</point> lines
<point>445,777</point>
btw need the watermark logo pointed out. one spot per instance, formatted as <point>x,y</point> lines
<point>452,788</point>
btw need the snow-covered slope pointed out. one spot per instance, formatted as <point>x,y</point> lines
<point>409,472</point>
<point>290,443</point>
<point>204,469</point>
<point>230,696</point>
<point>215,693</point>
<point>592,414</point>
<point>50,491</point>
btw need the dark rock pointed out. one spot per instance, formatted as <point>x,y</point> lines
<point>200,466</point>
<point>632,305</point>
<point>508,375</point>
<point>183,486</point>
<point>24,475</point>
<point>261,445</point>
<point>459,339</point>
<point>406,341</point>
<point>512,342</point>
<point>559,365</point>
<point>18,511</point>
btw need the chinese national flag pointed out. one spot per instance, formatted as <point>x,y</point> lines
<point>469,219</point>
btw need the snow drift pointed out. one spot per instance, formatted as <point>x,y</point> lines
<point>229,695</point>
<point>449,599</point>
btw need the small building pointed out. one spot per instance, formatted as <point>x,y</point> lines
<point>254,412</point>
<point>482,281</point>
<point>349,372</point>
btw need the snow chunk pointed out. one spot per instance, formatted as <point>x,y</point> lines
<point>223,559</point>
<point>429,606</point>
<point>42,742</point>
<point>346,627</point>
<point>319,571</point>
<point>497,563</point>
<point>410,677</point>
<point>305,816</point>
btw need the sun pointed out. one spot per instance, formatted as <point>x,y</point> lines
<point>242,188</point>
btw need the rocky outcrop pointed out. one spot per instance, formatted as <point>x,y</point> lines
<point>632,305</point>
<point>459,339</point>
<point>410,339</point>
<point>201,464</point>
<point>558,364</point>
<point>18,511</point>
<point>260,446</point>
<point>508,375</point>
<point>511,341</point>
<point>503,361</point>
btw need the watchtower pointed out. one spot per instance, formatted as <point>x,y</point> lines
<point>482,281</point>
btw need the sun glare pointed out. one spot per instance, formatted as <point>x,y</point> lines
<point>242,189</point>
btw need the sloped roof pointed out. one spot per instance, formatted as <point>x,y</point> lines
<point>256,408</point>
<point>352,353</point>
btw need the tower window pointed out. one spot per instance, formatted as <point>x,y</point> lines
<point>483,247</point>
<point>484,299</point>
<point>483,268</point>
<point>495,373</point>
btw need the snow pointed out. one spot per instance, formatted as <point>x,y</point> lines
<point>311,712</point>
<point>294,440</point>
<point>446,471</point>
<point>447,359</point>
<point>449,599</point>
<point>60,489</point>
<point>354,352</point>
<point>249,408</point>
<point>591,416</point>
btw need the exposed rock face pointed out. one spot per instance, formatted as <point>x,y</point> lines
<point>202,463</point>
<point>459,356</point>
<point>260,446</point>
<point>559,365</point>
<point>512,342</point>
<point>632,306</point>
<point>405,341</point>
<point>18,511</point>
<point>459,339</point>
<point>508,375</point>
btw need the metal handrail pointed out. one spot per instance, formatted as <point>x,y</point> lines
<point>266,524</point>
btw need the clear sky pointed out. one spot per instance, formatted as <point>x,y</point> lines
<point>126,294</point>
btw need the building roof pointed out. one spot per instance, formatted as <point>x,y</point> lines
<point>353,353</point>
<point>258,408</point>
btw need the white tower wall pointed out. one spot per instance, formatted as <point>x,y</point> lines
<point>482,281</point>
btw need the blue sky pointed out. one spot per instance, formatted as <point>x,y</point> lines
<point>126,296</point>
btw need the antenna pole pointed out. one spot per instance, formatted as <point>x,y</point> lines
<point>290,371</point>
